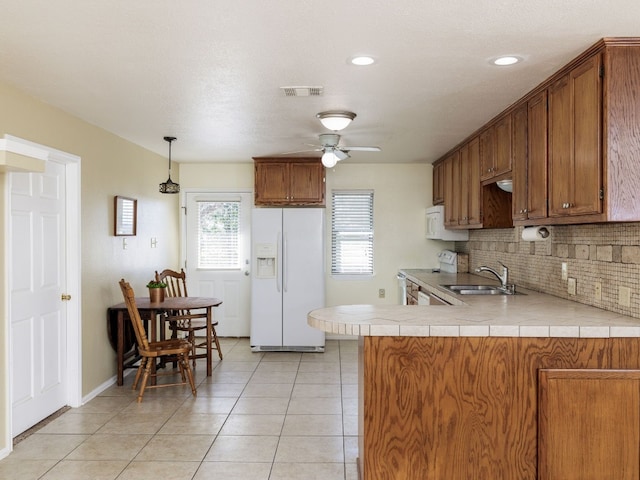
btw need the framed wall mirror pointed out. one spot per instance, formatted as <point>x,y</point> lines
<point>125,216</point>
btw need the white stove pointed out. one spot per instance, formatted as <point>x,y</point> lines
<point>448,261</point>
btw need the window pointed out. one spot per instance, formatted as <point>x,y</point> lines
<point>352,233</point>
<point>218,235</point>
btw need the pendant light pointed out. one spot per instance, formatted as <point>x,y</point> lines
<point>169,186</point>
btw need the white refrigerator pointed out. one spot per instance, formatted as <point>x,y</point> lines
<point>287,278</point>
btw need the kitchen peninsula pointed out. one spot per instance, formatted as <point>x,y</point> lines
<point>521,387</point>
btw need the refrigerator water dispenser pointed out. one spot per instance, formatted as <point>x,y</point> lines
<point>266,255</point>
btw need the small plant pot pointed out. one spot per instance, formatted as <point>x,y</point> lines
<point>156,295</point>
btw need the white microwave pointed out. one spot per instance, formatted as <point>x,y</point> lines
<point>435,226</point>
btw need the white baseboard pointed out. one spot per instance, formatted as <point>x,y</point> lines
<point>4,453</point>
<point>102,387</point>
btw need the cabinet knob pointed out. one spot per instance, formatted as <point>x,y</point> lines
<point>525,211</point>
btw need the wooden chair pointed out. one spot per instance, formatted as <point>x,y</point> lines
<point>150,351</point>
<point>185,320</point>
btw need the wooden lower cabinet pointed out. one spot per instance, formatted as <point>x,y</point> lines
<point>466,408</point>
<point>589,425</point>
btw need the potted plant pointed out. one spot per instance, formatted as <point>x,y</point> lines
<point>156,291</point>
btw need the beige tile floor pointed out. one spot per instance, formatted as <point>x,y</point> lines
<point>261,416</point>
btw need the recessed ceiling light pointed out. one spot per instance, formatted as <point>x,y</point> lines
<point>362,60</point>
<point>506,60</point>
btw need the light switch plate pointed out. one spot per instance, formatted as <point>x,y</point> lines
<point>624,296</point>
<point>597,291</point>
<point>565,271</point>
<point>571,286</point>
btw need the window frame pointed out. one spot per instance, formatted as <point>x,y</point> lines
<point>337,268</point>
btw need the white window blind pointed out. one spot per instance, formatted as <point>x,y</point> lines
<point>352,233</point>
<point>218,235</point>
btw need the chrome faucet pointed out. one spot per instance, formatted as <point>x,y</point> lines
<point>504,278</point>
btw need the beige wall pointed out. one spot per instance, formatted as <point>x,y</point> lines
<point>401,194</point>
<point>110,166</point>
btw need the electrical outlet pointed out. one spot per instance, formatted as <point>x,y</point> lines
<point>624,296</point>
<point>381,293</point>
<point>597,291</point>
<point>154,242</point>
<point>124,244</point>
<point>571,286</point>
<point>565,271</point>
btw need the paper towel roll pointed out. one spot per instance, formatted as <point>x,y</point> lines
<point>535,234</point>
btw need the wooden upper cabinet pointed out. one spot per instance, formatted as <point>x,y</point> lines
<point>452,190</point>
<point>463,186</point>
<point>495,149</point>
<point>537,157</point>
<point>438,183</point>
<point>290,182</point>
<point>487,153</point>
<point>470,177</point>
<point>502,157</point>
<point>574,152</point>
<point>575,129</point>
<point>520,206</point>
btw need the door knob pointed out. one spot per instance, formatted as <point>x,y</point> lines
<point>246,273</point>
<point>65,297</point>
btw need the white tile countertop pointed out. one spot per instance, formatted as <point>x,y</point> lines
<point>530,315</point>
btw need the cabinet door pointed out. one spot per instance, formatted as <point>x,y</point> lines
<point>487,152</point>
<point>271,183</point>
<point>438,183</point>
<point>589,424</point>
<point>575,159</point>
<point>475,190</point>
<point>502,153</point>
<point>587,131</point>
<point>537,157</point>
<point>306,183</point>
<point>452,180</point>
<point>463,186</point>
<point>560,147</point>
<point>519,145</point>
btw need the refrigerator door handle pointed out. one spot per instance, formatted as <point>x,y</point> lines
<point>285,262</point>
<point>278,270</point>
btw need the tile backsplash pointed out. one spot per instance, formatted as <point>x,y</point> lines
<point>608,254</point>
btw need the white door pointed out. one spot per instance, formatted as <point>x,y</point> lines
<point>218,243</point>
<point>38,315</point>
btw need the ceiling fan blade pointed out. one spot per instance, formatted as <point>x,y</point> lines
<point>302,151</point>
<point>362,149</point>
<point>341,154</point>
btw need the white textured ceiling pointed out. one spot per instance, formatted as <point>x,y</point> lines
<point>209,71</point>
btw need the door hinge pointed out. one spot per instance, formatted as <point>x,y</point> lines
<point>602,194</point>
<point>601,71</point>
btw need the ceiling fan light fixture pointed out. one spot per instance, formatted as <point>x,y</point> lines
<point>336,120</point>
<point>169,186</point>
<point>329,159</point>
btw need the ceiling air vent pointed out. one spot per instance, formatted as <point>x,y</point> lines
<point>302,91</point>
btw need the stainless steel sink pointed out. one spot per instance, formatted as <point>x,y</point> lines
<point>479,289</point>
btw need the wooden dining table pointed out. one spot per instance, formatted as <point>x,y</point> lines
<point>152,310</point>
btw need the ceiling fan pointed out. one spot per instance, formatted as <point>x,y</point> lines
<point>332,152</point>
